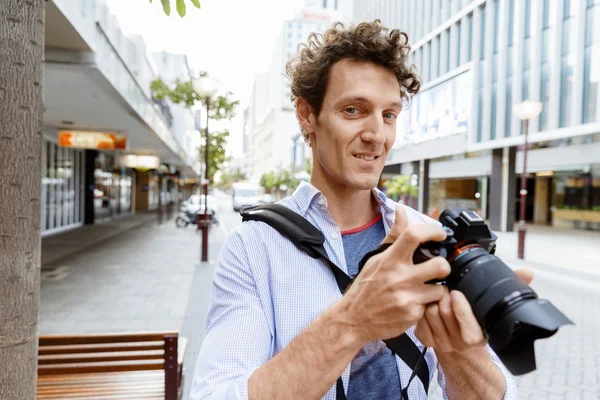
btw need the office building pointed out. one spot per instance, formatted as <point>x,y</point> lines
<point>460,136</point>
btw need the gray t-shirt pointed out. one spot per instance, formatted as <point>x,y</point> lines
<point>373,374</point>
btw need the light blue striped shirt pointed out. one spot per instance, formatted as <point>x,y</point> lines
<point>266,291</point>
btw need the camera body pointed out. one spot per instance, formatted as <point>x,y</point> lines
<point>509,311</point>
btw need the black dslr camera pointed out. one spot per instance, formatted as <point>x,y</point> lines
<point>508,310</point>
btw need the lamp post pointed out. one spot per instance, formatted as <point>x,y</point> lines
<point>205,87</point>
<point>525,111</point>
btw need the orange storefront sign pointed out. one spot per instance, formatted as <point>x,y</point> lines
<point>92,140</point>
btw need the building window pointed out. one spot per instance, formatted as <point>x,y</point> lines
<point>566,83</point>
<point>508,104</point>
<point>545,96</point>
<point>550,8</point>
<point>591,101</point>
<point>493,114</point>
<point>528,26</point>
<point>482,34</point>
<point>479,115</point>
<point>457,35</point>
<point>469,44</point>
<point>497,26</point>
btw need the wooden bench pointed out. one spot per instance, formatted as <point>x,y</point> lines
<point>145,365</point>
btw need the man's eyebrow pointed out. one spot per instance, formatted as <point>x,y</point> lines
<point>363,99</point>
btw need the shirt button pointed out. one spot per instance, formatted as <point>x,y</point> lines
<point>334,236</point>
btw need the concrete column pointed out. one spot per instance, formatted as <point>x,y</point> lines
<point>502,189</point>
<point>423,186</point>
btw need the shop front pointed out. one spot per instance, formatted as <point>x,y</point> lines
<point>575,197</point>
<point>112,187</point>
<point>62,188</point>
<point>469,193</point>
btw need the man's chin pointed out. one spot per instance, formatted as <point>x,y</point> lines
<point>363,183</point>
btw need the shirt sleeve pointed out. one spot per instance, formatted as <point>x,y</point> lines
<point>238,337</point>
<point>511,388</point>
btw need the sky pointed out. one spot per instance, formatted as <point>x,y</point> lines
<point>230,39</point>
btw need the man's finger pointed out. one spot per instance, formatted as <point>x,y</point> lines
<point>435,268</point>
<point>449,319</point>
<point>399,226</point>
<point>526,274</point>
<point>441,335</point>
<point>424,333</point>
<point>469,327</point>
<point>404,247</point>
<point>429,294</point>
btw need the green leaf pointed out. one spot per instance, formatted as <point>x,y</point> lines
<point>150,1</point>
<point>166,4</point>
<point>181,8</point>
<point>196,3</point>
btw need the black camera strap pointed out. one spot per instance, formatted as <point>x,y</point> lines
<point>310,239</point>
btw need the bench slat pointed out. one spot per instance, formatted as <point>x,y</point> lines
<point>104,357</point>
<point>74,368</point>
<point>100,347</point>
<point>57,340</point>
<point>110,376</point>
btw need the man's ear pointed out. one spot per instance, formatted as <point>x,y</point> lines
<point>306,115</point>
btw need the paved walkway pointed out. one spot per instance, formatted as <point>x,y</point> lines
<point>138,279</point>
<point>63,244</point>
<point>574,252</point>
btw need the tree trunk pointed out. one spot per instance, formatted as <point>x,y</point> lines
<point>21,108</point>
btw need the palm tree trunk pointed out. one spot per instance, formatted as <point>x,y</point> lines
<point>21,107</point>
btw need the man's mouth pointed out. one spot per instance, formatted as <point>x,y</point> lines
<point>366,157</point>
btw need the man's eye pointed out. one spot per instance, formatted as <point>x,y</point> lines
<point>389,116</point>
<point>351,110</point>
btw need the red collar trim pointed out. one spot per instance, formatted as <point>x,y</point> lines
<point>362,228</point>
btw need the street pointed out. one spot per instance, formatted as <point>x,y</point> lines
<point>150,278</point>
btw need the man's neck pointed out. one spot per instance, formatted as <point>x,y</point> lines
<point>349,208</point>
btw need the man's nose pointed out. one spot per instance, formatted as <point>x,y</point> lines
<point>374,131</point>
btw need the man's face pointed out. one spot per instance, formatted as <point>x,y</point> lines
<point>356,128</point>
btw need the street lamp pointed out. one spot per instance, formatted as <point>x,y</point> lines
<point>525,111</point>
<point>205,87</point>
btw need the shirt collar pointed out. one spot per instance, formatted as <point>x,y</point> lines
<point>306,194</point>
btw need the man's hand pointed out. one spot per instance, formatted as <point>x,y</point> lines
<point>390,294</point>
<point>450,325</point>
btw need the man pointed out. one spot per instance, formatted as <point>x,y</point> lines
<point>278,326</point>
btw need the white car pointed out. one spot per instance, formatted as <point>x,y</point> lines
<point>245,195</point>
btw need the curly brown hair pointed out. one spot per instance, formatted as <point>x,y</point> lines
<point>367,41</point>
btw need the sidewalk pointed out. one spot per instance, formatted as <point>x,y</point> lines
<point>136,278</point>
<point>572,252</point>
<point>60,245</point>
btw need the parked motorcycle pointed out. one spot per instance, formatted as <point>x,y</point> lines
<point>187,215</point>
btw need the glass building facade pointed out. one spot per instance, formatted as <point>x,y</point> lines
<point>497,53</point>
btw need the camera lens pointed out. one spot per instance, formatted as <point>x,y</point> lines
<point>508,310</point>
